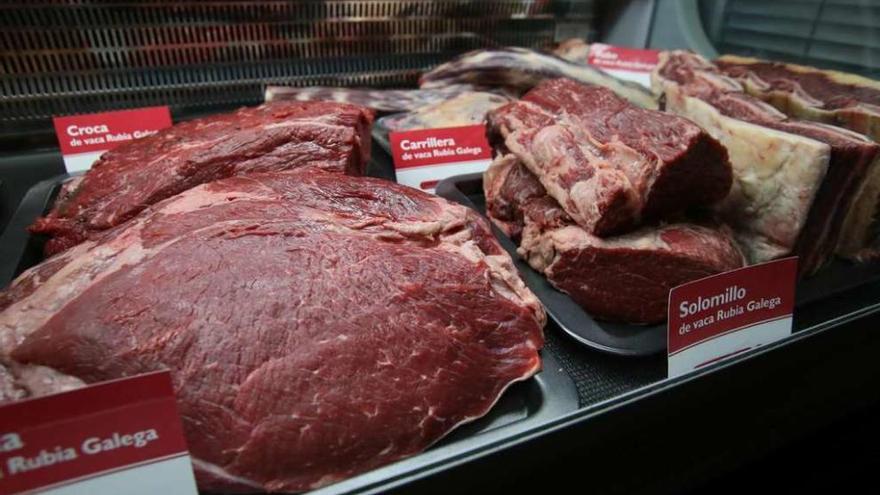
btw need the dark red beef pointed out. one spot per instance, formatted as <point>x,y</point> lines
<point>621,278</point>
<point>608,163</point>
<point>628,278</point>
<point>828,92</point>
<point>274,136</point>
<point>316,325</point>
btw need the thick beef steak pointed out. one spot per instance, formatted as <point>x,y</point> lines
<point>316,325</point>
<point>274,136</point>
<point>621,278</point>
<point>610,164</point>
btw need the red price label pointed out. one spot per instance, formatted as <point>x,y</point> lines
<point>424,157</point>
<point>618,57</point>
<point>107,130</point>
<point>111,429</point>
<point>438,146</point>
<point>729,313</point>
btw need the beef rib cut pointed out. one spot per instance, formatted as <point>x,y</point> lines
<point>832,97</point>
<point>794,180</point>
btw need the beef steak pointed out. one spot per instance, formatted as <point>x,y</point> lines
<point>316,325</point>
<point>274,136</point>
<point>610,164</point>
<point>622,278</point>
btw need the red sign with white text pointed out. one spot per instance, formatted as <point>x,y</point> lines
<point>101,431</point>
<point>423,157</point>
<point>729,313</point>
<point>618,57</point>
<point>442,145</point>
<point>84,137</point>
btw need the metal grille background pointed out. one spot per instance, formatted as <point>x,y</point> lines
<point>838,34</point>
<point>74,56</point>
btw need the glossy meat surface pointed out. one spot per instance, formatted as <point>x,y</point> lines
<point>275,136</point>
<point>316,325</point>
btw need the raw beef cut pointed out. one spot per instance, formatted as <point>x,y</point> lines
<point>608,163</point>
<point>517,70</point>
<point>832,97</point>
<point>316,325</point>
<point>828,96</point>
<point>276,136</point>
<point>510,189</point>
<point>623,278</point>
<point>794,180</point>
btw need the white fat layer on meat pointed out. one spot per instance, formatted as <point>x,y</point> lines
<point>389,100</point>
<point>856,236</point>
<point>465,109</point>
<point>451,227</point>
<point>616,166</point>
<point>328,120</point>
<point>542,249</point>
<point>755,84</point>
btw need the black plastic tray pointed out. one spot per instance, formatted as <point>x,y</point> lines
<point>632,340</point>
<point>524,406</point>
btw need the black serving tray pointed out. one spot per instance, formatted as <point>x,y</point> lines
<point>633,340</point>
<point>524,406</point>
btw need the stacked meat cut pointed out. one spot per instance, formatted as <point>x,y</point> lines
<point>316,325</point>
<point>795,181</point>
<point>582,179</point>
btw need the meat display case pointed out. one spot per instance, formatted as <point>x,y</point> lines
<point>617,424</point>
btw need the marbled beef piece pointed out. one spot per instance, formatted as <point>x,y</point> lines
<point>380,100</point>
<point>609,164</point>
<point>623,278</point>
<point>832,97</point>
<point>516,70</point>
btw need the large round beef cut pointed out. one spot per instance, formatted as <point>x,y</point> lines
<point>316,325</point>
